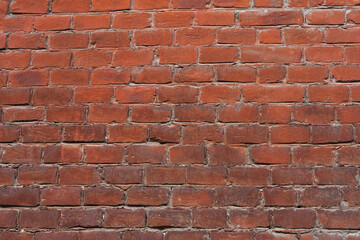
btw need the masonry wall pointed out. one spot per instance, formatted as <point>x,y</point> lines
<point>179,119</point>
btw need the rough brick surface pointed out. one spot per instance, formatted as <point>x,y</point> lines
<point>179,119</point>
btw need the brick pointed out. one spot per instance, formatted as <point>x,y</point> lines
<point>218,55</point>
<point>271,74</point>
<point>135,94</point>
<point>7,176</point>
<point>290,134</point>
<point>41,134</point>
<point>226,155</point>
<point>52,23</point>
<point>62,154</point>
<point>9,133</point>
<point>268,3</point>
<point>28,78</point>
<point>187,154</point>
<point>353,16</point>
<point>176,55</point>
<point>287,218</point>
<point>66,6</point>
<point>173,19</point>
<point>165,175</point>
<point>314,114</point>
<point>215,18</point>
<point>20,23</point>
<point>124,218</point>
<point>236,36</point>
<point>133,235</point>
<point>270,54</point>
<point>313,156</point>
<point>195,36</point>
<point>216,175</point>
<point>61,196</point>
<point>231,3</point>
<point>270,36</point>
<point>11,60</point>
<point>292,175</point>
<point>168,218</point>
<point>177,235</point>
<point>280,197</point>
<point>194,74</point>
<point>33,175</point>
<point>147,196</point>
<point>249,218</point>
<point>150,4</point>
<point>56,235</point>
<point>91,58</point>
<point>307,74</point>
<point>8,218</point>
<point>149,75</point>
<point>127,133</point>
<point>104,154</point>
<point>110,39</point>
<point>238,113</point>
<point>324,54</point>
<point>177,94</point>
<point>51,96</point>
<point>294,36</point>
<point>84,22</point>
<point>235,74</point>
<point>123,175</point>
<point>305,3</point>
<point>131,20</point>
<point>192,197</point>
<point>249,176</point>
<point>237,196</point>
<point>145,154</point>
<point>324,197</point>
<point>69,77</point>
<point>126,58</point>
<point>150,113</point>
<point>246,134</point>
<point>51,59</point>
<point>107,77</point>
<point>98,234</point>
<point>22,154</point>
<point>228,235</point>
<point>328,93</point>
<point>219,94</point>
<point>158,37</point>
<point>165,133</point>
<point>110,5</point>
<point>332,134</point>
<point>351,196</point>
<point>326,17</point>
<point>209,218</point>
<point>93,95</point>
<point>81,217</point>
<point>339,219</point>
<point>26,6</point>
<point>194,113</point>
<point>346,73</point>
<point>271,17</point>
<point>28,41</point>
<point>79,175</point>
<point>61,41</point>
<point>39,218</point>
<point>270,155</point>
<point>335,35</point>
<point>65,114</point>
<point>348,155</point>
<point>23,197</point>
<point>339,176</point>
<point>273,94</point>
<point>108,113</point>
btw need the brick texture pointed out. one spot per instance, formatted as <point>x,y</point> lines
<point>179,119</point>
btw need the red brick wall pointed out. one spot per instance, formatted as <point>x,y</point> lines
<point>179,119</point>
